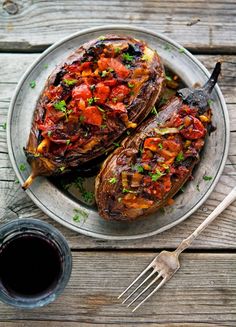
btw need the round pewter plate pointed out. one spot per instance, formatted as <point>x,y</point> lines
<point>60,205</point>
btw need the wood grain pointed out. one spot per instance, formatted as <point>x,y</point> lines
<point>36,24</point>
<point>198,293</point>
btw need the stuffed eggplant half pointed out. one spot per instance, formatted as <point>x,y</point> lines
<point>104,88</point>
<point>152,165</point>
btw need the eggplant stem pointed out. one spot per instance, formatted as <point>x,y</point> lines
<point>208,87</point>
<point>29,181</point>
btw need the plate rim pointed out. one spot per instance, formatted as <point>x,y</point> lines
<point>78,229</point>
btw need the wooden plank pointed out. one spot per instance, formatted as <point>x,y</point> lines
<point>43,323</point>
<point>203,291</point>
<point>35,25</point>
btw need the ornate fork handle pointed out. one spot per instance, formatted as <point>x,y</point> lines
<point>221,207</point>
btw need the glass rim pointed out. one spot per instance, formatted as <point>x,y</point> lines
<point>25,225</point>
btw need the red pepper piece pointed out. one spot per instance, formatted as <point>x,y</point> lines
<point>101,92</point>
<point>92,115</point>
<point>81,92</point>
<point>195,130</point>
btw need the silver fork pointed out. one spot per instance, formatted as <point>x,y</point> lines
<point>165,264</point>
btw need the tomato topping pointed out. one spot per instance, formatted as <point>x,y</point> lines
<point>115,64</point>
<point>85,65</point>
<point>132,201</point>
<point>101,92</point>
<point>53,92</point>
<point>92,115</point>
<point>152,143</point>
<point>110,82</point>
<point>119,92</point>
<point>195,130</point>
<point>172,145</point>
<point>81,92</point>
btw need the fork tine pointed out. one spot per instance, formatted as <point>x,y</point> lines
<point>140,275</point>
<point>157,288</point>
<point>145,289</point>
<point>135,290</point>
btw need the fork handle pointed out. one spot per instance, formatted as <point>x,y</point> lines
<point>215,213</point>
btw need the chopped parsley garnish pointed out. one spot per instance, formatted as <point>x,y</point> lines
<point>103,126</point>
<point>22,167</point>
<point>127,66</point>
<point>128,132</point>
<point>166,167</point>
<point>130,85</point>
<point>79,214</point>
<point>61,105</point>
<point>45,66</point>
<point>207,178</point>
<point>140,169</point>
<point>32,84</point>
<point>154,111</point>
<point>67,142</point>
<point>81,118</point>
<point>180,156</point>
<point>125,190</point>
<point>112,180</point>
<point>181,50</point>
<point>104,73</point>
<point>116,144</point>
<point>101,38</point>
<point>87,196</point>
<point>182,189</point>
<point>4,125</point>
<point>131,92</point>
<point>157,175</point>
<point>90,101</point>
<point>70,81</point>
<point>49,133</point>
<point>62,168</point>
<point>117,50</point>
<point>181,127</point>
<point>160,145</point>
<point>127,57</point>
<point>92,87</point>
<point>114,100</point>
<point>99,108</point>
<point>111,70</point>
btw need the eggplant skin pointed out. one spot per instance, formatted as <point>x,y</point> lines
<point>110,189</point>
<point>140,60</point>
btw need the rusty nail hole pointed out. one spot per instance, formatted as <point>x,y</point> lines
<point>10,7</point>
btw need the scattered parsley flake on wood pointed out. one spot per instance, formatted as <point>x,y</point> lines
<point>4,125</point>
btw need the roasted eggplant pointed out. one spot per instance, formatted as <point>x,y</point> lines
<point>152,165</point>
<point>107,86</point>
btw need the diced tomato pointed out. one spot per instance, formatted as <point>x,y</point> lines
<point>198,144</point>
<point>81,92</point>
<point>172,145</point>
<point>101,92</point>
<point>53,92</point>
<point>151,143</point>
<point>85,65</point>
<point>103,63</point>
<point>182,171</point>
<point>119,93</point>
<point>194,131</point>
<point>110,82</point>
<point>92,115</point>
<point>119,68</point>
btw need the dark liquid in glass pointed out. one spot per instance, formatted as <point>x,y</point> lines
<point>30,265</point>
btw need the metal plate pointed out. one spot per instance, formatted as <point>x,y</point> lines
<point>59,205</point>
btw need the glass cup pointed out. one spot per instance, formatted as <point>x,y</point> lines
<point>35,263</point>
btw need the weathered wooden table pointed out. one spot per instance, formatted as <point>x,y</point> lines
<point>203,292</point>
